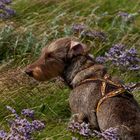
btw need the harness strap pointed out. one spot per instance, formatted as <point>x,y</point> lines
<point>100,79</point>
<point>106,80</point>
<point>109,95</point>
<point>103,88</point>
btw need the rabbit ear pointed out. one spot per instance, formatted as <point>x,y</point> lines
<point>77,48</point>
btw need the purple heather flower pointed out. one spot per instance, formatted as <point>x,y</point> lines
<point>73,138</point>
<point>119,56</point>
<point>132,51</point>
<point>28,113</point>
<point>3,134</point>
<point>84,130</point>
<point>78,27</point>
<point>1,16</point>
<point>115,51</point>
<point>6,12</point>
<point>127,17</point>
<point>6,1</point>
<point>110,134</point>
<point>81,128</point>
<point>94,34</point>
<point>15,136</point>
<point>136,67</point>
<point>132,86</point>
<point>38,125</point>
<point>11,109</point>
<point>9,11</point>
<point>22,128</point>
<point>2,6</point>
<point>100,59</point>
<point>82,29</point>
<point>123,14</point>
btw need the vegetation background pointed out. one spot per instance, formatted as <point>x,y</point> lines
<point>37,23</point>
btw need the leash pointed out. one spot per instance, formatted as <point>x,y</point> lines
<point>106,80</point>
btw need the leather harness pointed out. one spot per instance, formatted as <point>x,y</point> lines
<point>106,80</point>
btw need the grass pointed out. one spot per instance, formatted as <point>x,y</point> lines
<point>39,22</point>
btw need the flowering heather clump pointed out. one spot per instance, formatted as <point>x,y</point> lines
<point>37,125</point>
<point>94,34</point>
<point>80,128</point>
<point>28,113</point>
<point>5,11</point>
<point>126,17</point>
<point>101,59</point>
<point>74,138</point>
<point>11,109</point>
<point>78,27</point>
<point>3,134</point>
<point>121,57</point>
<point>84,130</point>
<point>132,86</point>
<point>84,32</point>
<point>21,128</point>
<point>108,134</point>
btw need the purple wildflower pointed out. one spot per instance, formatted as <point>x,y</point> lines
<point>132,51</point>
<point>22,128</point>
<point>38,125</point>
<point>131,86</point>
<point>78,27</point>
<point>3,134</point>
<point>115,51</point>
<point>11,109</point>
<point>136,67</point>
<point>2,6</point>
<point>94,34</point>
<point>121,57</point>
<point>84,130</point>
<point>28,113</point>
<point>81,128</point>
<point>108,134</point>
<point>1,16</point>
<point>73,138</point>
<point>6,1</point>
<point>6,12</point>
<point>123,14</point>
<point>127,17</point>
<point>9,11</point>
<point>16,137</point>
<point>84,32</point>
<point>100,59</point>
